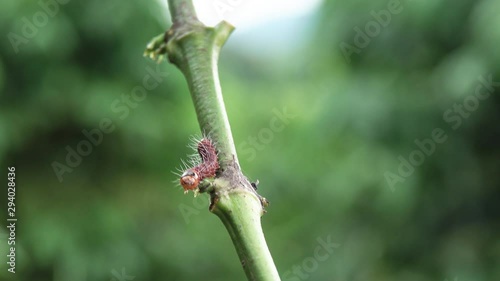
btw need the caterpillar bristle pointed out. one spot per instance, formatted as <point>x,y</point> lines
<point>198,166</point>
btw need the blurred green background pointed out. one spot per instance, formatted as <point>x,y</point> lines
<point>118,216</point>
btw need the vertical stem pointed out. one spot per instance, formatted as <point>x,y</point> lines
<point>194,49</point>
<point>200,69</point>
<point>182,11</point>
<point>241,215</point>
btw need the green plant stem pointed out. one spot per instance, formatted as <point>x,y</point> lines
<point>240,212</point>
<point>194,49</point>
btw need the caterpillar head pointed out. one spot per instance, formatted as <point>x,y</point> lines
<point>189,180</point>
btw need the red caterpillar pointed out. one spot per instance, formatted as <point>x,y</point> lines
<point>209,165</point>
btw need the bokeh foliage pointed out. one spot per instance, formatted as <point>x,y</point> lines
<point>323,173</point>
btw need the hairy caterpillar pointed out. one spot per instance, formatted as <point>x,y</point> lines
<point>191,177</point>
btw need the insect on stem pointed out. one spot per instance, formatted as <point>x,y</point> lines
<point>209,165</point>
